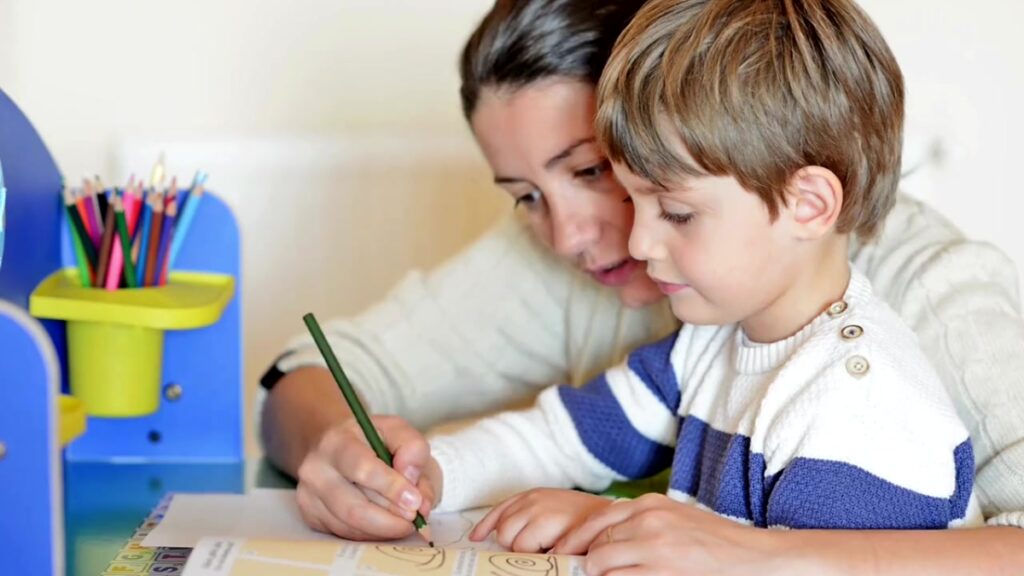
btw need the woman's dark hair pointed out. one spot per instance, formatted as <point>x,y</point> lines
<point>522,41</point>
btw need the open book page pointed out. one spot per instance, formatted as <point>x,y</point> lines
<point>241,557</point>
<point>261,533</point>
<point>274,515</point>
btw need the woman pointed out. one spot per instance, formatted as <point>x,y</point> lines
<point>506,318</point>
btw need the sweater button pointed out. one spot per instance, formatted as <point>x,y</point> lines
<point>857,366</point>
<point>837,309</point>
<point>851,332</point>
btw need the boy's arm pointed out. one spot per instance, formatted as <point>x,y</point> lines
<point>620,425</point>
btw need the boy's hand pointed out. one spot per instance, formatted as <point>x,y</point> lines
<point>346,490</point>
<point>657,535</point>
<point>533,521</point>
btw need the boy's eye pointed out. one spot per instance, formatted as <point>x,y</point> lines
<point>595,171</point>
<point>530,198</point>
<point>679,219</point>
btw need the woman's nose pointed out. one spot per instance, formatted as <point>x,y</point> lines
<point>573,231</point>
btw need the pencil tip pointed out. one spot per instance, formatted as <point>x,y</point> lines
<point>425,533</point>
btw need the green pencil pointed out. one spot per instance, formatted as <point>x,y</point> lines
<point>126,242</point>
<point>357,408</point>
<point>80,258</point>
<point>84,242</point>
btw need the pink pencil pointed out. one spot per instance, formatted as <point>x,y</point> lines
<point>117,257</point>
<point>93,218</point>
<point>136,208</point>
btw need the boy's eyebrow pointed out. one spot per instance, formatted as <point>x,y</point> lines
<point>651,189</point>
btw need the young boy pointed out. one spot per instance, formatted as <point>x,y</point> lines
<point>754,137</point>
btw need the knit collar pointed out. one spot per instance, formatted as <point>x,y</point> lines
<point>756,357</point>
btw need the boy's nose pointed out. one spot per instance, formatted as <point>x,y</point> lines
<point>640,244</point>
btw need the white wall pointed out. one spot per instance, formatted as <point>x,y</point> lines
<point>87,72</point>
<point>350,108</point>
<point>347,110</point>
<point>964,68</point>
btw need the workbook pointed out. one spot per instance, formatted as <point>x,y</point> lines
<point>262,534</point>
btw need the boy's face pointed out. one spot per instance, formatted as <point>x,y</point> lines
<point>710,245</point>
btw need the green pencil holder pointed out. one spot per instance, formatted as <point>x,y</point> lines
<point>115,338</point>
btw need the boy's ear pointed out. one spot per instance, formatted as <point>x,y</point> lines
<point>814,200</point>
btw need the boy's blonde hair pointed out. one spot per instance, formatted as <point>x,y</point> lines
<point>758,89</point>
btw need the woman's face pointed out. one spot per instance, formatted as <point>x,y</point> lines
<point>539,140</point>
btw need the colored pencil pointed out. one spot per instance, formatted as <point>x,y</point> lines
<point>141,247</point>
<point>102,200</point>
<point>124,252</point>
<point>117,260</point>
<point>357,408</point>
<point>154,240</point>
<point>105,248</point>
<point>78,228</point>
<point>156,178</point>
<point>170,215</point>
<point>133,211</point>
<point>187,215</point>
<point>93,220</point>
<point>82,208</point>
<point>84,271</point>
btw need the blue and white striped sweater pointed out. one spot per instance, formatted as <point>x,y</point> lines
<point>789,434</point>
<point>721,472</point>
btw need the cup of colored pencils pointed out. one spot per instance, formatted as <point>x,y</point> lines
<point>130,237</point>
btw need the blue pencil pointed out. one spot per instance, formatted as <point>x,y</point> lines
<point>143,238</point>
<point>185,219</point>
<point>161,265</point>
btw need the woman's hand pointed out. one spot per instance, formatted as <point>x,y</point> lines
<point>534,520</point>
<point>343,488</point>
<point>657,535</point>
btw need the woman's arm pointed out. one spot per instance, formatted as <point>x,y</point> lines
<point>658,535</point>
<point>482,330</point>
<point>986,551</point>
<point>486,327</point>
<point>961,299</point>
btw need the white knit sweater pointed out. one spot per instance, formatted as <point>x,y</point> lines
<point>842,425</point>
<point>504,319</point>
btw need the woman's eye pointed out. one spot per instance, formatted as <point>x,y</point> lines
<point>593,172</point>
<point>529,199</point>
<point>677,218</point>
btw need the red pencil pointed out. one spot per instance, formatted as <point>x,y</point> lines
<point>154,240</point>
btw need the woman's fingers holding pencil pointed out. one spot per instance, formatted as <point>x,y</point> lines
<point>332,496</point>
<point>411,458</point>
<point>403,489</point>
<point>318,517</point>
<point>330,503</point>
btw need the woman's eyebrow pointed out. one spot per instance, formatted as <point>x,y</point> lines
<point>554,160</point>
<point>569,150</point>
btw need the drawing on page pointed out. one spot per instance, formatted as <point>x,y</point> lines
<point>522,565</point>
<point>403,559</point>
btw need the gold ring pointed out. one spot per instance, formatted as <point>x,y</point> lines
<point>608,534</point>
